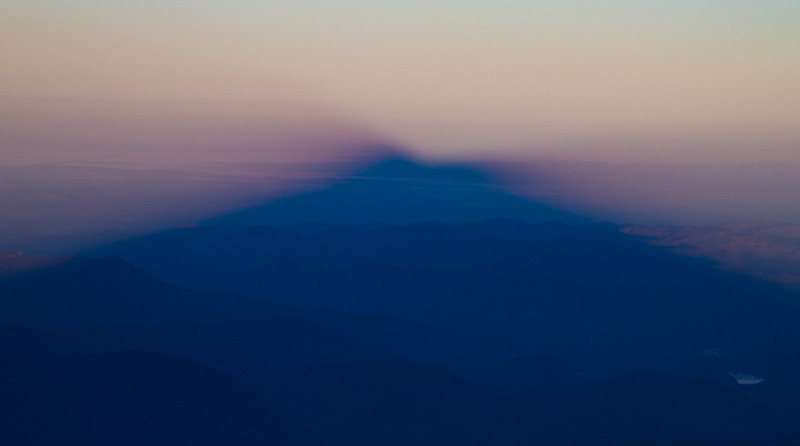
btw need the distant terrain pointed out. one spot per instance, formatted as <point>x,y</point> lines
<point>766,250</point>
<point>407,304</point>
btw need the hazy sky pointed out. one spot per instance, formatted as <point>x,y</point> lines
<point>707,80</point>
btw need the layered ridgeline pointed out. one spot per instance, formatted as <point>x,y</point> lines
<point>406,304</point>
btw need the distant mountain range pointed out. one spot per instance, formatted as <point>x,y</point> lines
<point>769,251</point>
<point>405,305</point>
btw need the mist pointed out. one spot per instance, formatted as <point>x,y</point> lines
<point>80,172</point>
<point>659,193</point>
<point>76,170</point>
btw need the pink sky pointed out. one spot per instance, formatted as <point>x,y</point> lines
<point>615,80</point>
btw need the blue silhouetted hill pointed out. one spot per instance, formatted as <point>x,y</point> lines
<point>138,311</point>
<point>147,398</point>
<point>125,398</point>
<point>86,292</point>
<point>254,351</point>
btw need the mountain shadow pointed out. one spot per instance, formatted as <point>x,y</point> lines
<point>601,299</point>
<point>188,256</point>
<point>338,310</point>
<point>400,191</point>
